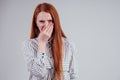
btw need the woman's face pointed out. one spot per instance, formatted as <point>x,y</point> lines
<point>43,19</point>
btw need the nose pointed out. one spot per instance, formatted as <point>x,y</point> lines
<point>46,23</point>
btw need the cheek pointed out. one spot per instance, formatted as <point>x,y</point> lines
<point>39,25</point>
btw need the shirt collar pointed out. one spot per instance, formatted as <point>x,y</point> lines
<point>48,42</point>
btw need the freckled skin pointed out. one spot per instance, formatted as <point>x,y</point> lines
<point>43,19</point>
<point>45,25</point>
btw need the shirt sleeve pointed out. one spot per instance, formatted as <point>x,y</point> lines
<point>74,74</point>
<point>38,64</point>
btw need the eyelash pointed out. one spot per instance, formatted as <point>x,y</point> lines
<point>50,20</point>
<point>44,21</point>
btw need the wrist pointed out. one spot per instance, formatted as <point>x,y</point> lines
<point>42,41</point>
<point>41,46</point>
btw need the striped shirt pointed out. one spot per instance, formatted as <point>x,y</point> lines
<point>40,65</point>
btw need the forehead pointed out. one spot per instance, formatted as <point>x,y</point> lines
<point>44,16</point>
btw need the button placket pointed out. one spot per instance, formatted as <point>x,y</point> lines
<point>43,55</point>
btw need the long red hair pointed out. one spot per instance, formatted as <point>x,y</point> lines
<point>57,46</point>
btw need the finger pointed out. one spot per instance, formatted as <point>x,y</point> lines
<point>43,28</point>
<point>50,29</point>
<point>47,27</point>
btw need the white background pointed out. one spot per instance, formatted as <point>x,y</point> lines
<point>93,25</point>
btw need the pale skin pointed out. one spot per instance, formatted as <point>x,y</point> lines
<point>45,25</point>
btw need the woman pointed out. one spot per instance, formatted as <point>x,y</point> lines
<point>48,53</point>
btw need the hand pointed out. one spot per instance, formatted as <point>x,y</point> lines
<point>46,32</point>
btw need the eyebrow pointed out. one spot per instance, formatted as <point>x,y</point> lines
<point>47,20</point>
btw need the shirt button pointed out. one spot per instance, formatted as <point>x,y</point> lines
<point>42,56</point>
<point>42,53</point>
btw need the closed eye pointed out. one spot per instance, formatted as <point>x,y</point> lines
<point>50,21</point>
<point>42,21</point>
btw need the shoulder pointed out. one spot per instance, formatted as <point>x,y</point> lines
<point>28,42</point>
<point>69,43</point>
